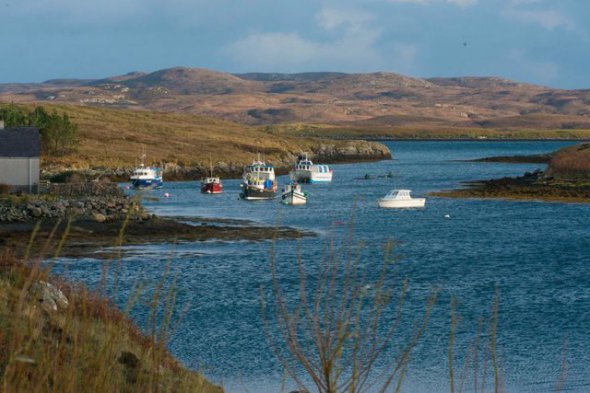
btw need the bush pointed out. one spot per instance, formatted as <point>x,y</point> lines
<point>59,135</point>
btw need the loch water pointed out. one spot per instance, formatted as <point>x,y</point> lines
<point>535,254</point>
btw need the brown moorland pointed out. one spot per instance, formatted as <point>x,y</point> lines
<point>375,104</point>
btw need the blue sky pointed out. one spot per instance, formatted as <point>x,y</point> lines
<point>538,41</point>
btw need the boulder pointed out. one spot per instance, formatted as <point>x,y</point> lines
<point>50,298</point>
<point>98,217</point>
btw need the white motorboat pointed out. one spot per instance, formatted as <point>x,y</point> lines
<point>400,199</point>
<point>306,171</point>
<point>293,195</point>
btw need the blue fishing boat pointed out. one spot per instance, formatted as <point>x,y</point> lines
<point>145,177</point>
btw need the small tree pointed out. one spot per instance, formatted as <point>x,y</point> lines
<point>59,135</point>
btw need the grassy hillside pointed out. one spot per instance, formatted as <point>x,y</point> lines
<point>116,137</point>
<point>81,344</point>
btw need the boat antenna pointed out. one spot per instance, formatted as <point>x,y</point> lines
<point>142,156</point>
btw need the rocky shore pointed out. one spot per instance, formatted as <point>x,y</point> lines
<point>99,209</point>
<point>530,186</point>
<point>566,179</point>
<point>529,159</point>
<point>87,237</point>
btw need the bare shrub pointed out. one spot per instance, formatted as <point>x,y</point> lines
<point>336,333</point>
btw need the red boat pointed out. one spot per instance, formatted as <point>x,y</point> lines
<point>211,185</point>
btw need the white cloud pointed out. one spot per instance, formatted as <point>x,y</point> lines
<point>460,3</point>
<point>534,12</point>
<point>351,46</point>
<point>333,18</point>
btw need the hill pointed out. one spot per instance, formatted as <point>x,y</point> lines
<point>381,100</point>
<point>115,138</point>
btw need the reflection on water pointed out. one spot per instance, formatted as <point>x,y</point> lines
<point>536,253</point>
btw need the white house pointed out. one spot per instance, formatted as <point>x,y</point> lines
<point>19,158</point>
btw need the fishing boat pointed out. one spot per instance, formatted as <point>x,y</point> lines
<point>145,177</point>
<point>211,184</point>
<point>400,199</point>
<point>258,181</point>
<point>293,195</point>
<point>305,171</point>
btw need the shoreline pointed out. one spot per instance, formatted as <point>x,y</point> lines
<point>381,139</point>
<point>529,187</point>
<point>103,240</point>
<point>60,174</point>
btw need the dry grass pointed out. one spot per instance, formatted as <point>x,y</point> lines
<point>115,138</point>
<point>571,163</point>
<point>88,347</point>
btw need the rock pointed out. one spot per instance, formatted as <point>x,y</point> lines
<point>98,217</point>
<point>49,297</point>
<point>128,359</point>
<point>36,212</point>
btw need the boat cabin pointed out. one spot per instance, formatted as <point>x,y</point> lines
<point>398,194</point>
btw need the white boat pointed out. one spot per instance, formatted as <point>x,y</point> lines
<point>306,171</point>
<point>147,177</point>
<point>400,199</point>
<point>293,195</point>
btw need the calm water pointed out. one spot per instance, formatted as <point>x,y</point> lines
<point>536,253</point>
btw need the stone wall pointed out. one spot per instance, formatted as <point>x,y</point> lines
<point>92,208</point>
<point>85,189</point>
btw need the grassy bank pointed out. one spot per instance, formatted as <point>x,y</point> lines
<point>115,138</point>
<point>80,344</point>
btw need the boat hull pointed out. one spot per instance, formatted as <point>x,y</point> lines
<point>147,183</point>
<point>211,188</point>
<point>254,194</point>
<point>310,177</point>
<point>402,204</point>
<point>293,198</point>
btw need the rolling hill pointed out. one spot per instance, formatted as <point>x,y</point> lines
<point>380,101</point>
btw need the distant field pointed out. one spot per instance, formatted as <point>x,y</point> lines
<point>426,132</point>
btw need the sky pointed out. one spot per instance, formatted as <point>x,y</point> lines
<point>545,42</point>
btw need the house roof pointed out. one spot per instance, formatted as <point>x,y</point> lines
<point>19,142</point>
